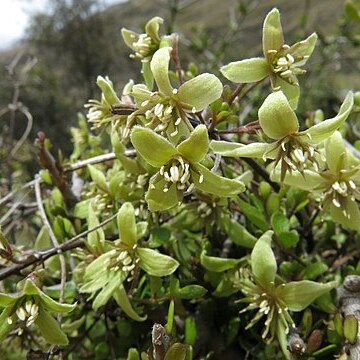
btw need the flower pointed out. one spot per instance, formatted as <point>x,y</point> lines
<point>338,185</point>
<point>294,150</point>
<point>271,297</point>
<point>281,62</point>
<point>180,168</point>
<point>121,260</point>
<point>32,306</point>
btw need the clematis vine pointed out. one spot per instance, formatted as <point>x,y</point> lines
<point>180,169</point>
<point>121,259</point>
<point>292,149</point>
<point>29,307</point>
<point>281,62</point>
<point>166,110</point>
<point>273,298</point>
<point>338,186</point>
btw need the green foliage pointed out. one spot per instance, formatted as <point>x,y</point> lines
<point>176,214</point>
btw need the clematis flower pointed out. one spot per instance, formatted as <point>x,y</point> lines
<point>272,298</point>
<point>180,168</point>
<point>281,62</point>
<point>166,110</point>
<point>338,186</point>
<point>30,307</point>
<point>294,150</point>
<point>121,260</point>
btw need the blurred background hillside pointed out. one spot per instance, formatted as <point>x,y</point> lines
<point>76,40</point>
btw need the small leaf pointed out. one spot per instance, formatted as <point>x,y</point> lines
<point>98,177</point>
<point>127,225</point>
<point>351,325</point>
<point>170,318</point>
<point>190,331</point>
<point>253,150</point>
<point>246,71</point>
<point>154,148</point>
<point>263,262</point>
<point>276,117</point>
<point>176,352</point>
<point>95,239</point>
<point>50,329</point>
<point>289,238</point>
<point>160,66</point>
<point>190,292</point>
<point>280,223</point>
<point>313,271</point>
<point>123,301</point>
<point>133,354</point>
<point>199,92</point>
<point>300,294</point>
<point>217,264</point>
<point>196,146</point>
<point>272,32</point>
<point>253,214</point>
<point>158,237</point>
<point>156,264</point>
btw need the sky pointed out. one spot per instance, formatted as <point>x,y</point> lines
<point>15,14</point>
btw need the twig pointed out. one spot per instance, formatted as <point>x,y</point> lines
<point>52,238</point>
<point>236,92</point>
<point>41,256</point>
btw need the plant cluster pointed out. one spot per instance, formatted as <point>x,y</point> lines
<point>178,212</point>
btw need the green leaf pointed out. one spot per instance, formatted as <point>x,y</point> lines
<point>147,74</point>
<point>272,32</point>
<point>160,66</point>
<point>133,354</point>
<point>313,271</point>
<point>190,331</point>
<point>199,92</point>
<point>217,264</point>
<point>176,352</point>
<point>246,71</point>
<point>154,148</point>
<point>276,117</point>
<point>289,238</point>
<point>237,233</point>
<point>157,199</point>
<point>190,292</point>
<point>127,225</point>
<point>156,264</point>
<point>351,326</point>
<point>196,146</point>
<point>95,239</point>
<point>326,128</point>
<point>263,262</point>
<point>50,328</point>
<point>299,294</point>
<point>98,177</point>
<point>158,237</point>
<point>254,150</point>
<point>253,214</point>
<point>215,184</point>
<point>280,223</point>
<point>123,301</point>
<point>170,318</point>
<point>54,306</point>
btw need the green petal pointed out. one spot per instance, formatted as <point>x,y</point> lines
<point>160,68</point>
<point>155,263</point>
<point>157,199</point>
<point>30,288</point>
<point>129,37</point>
<point>127,225</point>
<point>276,117</point>
<point>246,71</point>
<point>108,90</point>
<point>200,91</point>
<point>123,301</point>
<point>152,28</point>
<point>254,150</point>
<point>50,328</point>
<point>215,184</point>
<point>5,327</point>
<point>217,264</point>
<point>335,152</point>
<point>196,146</point>
<point>263,262</point>
<point>177,351</point>
<point>8,300</point>
<point>272,32</point>
<point>300,294</point>
<point>303,49</point>
<point>292,92</point>
<point>54,306</point>
<point>154,148</point>
<point>107,291</point>
<point>326,128</point>
<point>352,208</point>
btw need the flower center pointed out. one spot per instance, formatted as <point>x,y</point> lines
<point>142,46</point>
<point>27,313</point>
<point>125,261</point>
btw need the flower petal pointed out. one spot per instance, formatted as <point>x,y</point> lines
<point>272,32</point>
<point>123,301</point>
<point>200,91</point>
<point>325,129</point>
<point>217,264</point>
<point>254,150</point>
<point>160,68</point>
<point>292,92</point>
<point>157,199</point>
<point>335,152</point>
<point>5,327</point>
<point>246,71</point>
<point>276,117</point>
<point>302,50</point>
<point>108,290</point>
<point>155,263</point>
<point>352,221</point>
<point>129,37</point>
<point>300,294</point>
<point>127,225</point>
<point>108,90</point>
<point>263,262</point>
<point>196,146</point>
<point>152,28</point>
<point>215,184</point>
<point>8,300</point>
<point>154,148</point>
